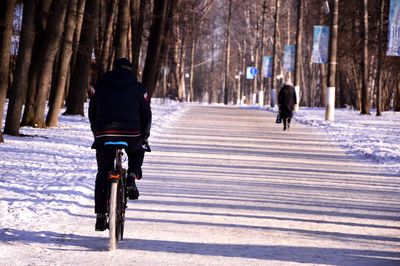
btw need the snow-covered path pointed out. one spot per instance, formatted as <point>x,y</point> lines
<point>223,186</point>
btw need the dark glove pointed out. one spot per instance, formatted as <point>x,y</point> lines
<point>146,146</point>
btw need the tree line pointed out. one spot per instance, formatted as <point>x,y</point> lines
<point>185,49</point>
<point>65,45</point>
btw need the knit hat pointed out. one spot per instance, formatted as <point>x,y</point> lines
<point>123,63</point>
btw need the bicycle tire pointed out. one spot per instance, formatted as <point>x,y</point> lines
<point>113,240</point>
<point>118,221</point>
<point>121,208</point>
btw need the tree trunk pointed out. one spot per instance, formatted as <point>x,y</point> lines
<point>323,77</point>
<point>154,45</point>
<point>52,35</point>
<point>20,83</point>
<point>396,100</point>
<point>298,57</point>
<point>260,77</point>
<point>65,59</point>
<point>227,54</point>
<point>274,53</point>
<point>80,76</point>
<point>243,66</point>
<point>379,63</point>
<point>42,11</point>
<point>163,63</point>
<point>137,14</point>
<point>330,103</point>
<point>364,63</point>
<point>256,56</point>
<point>173,54</point>
<point>121,35</point>
<point>181,74</point>
<point>105,50</point>
<point>75,45</point>
<point>211,90</point>
<point>6,27</point>
<point>192,49</point>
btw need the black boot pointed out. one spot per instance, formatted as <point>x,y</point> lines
<point>131,190</point>
<point>284,124</point>
<point>101,222</point>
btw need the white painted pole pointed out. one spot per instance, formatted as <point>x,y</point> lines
<point>330,104</point>
<point>297,105</point>
<point>261,98</point>
<point>273,97</point>
<point>254,98</point>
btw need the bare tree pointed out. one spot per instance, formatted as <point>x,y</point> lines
<point>185,36</point>
<point>299,36</point>
<point>48,53</point>
<point>137,14</point>
<point>227,53</point>
<point>274,52</point>
<point>77,34</point>
<point>103,59</point>
<point>42,12</point>
<point>173,59</point>
<point>379,62</point>
<point>6,15</point>
<point>154,45</point>
<point>330,104</point>
<point>198,12</point>
<point>20,83</point>
<point>364,62</point>
<point>65,59</point>
<point>121,35</point>
<point>80,82</point>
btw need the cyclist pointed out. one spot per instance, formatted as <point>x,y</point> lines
<point>119,110</point>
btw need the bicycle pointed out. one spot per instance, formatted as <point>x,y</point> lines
<point>117,197</point>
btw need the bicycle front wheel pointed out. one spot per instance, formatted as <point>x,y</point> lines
<point>121,206</point>
<point>113,241</point>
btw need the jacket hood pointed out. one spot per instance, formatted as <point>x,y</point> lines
<point>120,77</point>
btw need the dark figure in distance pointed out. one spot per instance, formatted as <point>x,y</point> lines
<point>119,110</point>
<point>286,101</point>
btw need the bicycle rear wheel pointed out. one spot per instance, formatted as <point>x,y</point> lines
<point>113,239</point>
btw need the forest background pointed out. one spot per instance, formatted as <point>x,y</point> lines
<point>52,51</point>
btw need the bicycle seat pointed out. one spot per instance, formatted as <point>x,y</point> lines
<point>116,145</point>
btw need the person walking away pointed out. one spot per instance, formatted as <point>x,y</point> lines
<point>286,101</point>
<point>119,110</point>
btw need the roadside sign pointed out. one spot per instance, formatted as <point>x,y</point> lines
<point>251,72</point>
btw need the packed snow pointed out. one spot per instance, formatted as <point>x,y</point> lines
<point>375,138</point>
<point>46,175</point>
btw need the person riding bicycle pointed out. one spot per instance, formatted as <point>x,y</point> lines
<point>119,110</point>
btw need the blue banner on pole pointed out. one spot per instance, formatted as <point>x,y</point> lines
<point>320,45</point>
<point>267,66</point>
<point>394,29</point>
<point>288,57</point>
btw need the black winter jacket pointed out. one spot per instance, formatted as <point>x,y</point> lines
<point>120,108</point>
<point>286,100</point>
